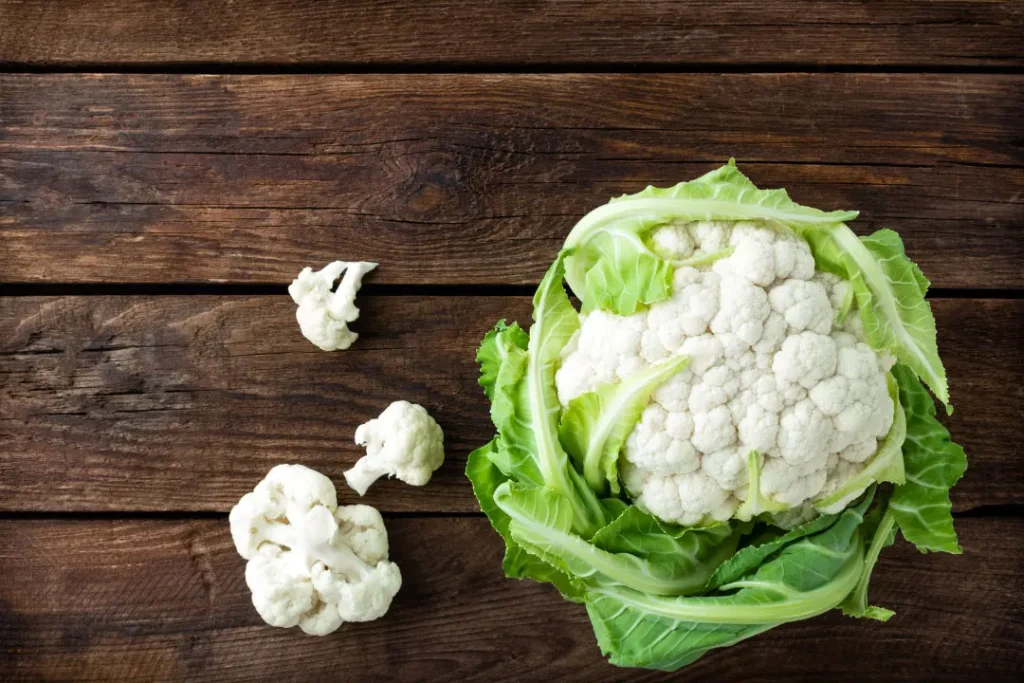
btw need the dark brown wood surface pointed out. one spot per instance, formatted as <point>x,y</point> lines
<point>183,402</point>
<point>164,599</point>
<point>151,369</point>
<point>502,33</point>
<point>477,178</point>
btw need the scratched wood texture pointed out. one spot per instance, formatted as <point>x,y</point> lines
<point>462,179</point>
<point>513,33</point>
<point>151,370</point>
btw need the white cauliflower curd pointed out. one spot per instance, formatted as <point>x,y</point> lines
<point>779,368</point>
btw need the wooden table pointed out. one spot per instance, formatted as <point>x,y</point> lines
<point>167,168</point>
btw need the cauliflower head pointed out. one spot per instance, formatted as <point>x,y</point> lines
<point>324,314</point>
<point>404,442</point>
<point>781,385</point>
<point>311,563</point>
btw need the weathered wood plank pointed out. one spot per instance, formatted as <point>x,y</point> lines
<point>456,33</point>
<point>161,600</point>
<point>478,178</point>
<point>183,403</point>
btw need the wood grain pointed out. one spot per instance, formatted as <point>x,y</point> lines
<point>166,600</point>
<point>457,33</point>
<point>463,179</point>
<point>184,403</point>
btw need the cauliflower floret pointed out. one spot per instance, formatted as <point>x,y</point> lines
<point>805,359</point>
<point>771,371</point>
<point>673,241</point>
<point>312,564</point>
<point>324,315</point>
<point>803,304</point>
<point>743,310</point>
<point>404,442</point>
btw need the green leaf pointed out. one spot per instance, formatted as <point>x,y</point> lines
<point>612,267</point>
<point>879,526</point>
<point>494,350</point>
<point>890,292</point>
<point>885,465</point>
<point>525,408</point>
<point>750,557</point>
<point>597,423</point>
<point>638,553</point>
<point>805,578</point>
<point>518,563</point>
<point>933,465</point>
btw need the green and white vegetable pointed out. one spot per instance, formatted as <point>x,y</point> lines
<point>729,431</point>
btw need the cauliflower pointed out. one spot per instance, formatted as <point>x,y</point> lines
<point>311,563</point>
<point>404,442</point>
<point>778,367</point>
<point>324,315</point>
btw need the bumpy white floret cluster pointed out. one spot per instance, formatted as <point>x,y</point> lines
<point>773,369</point>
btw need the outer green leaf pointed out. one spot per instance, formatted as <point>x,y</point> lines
<point>493,352</point>
<point>806,578</point>
<point>879,526</point>
<point>596,424</point>
<point>663,565</point>
<point>613,268</point>
<point>518,563</point>
<point>933,464</point>
<point>526,410</point>
<point>890,291</point>
<point>886,465</point>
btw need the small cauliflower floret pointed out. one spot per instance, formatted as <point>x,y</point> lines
<point>716,387</point>
<point>804,435</point>
<point>713,430</point>
<point>711,236</point>
<point>753,256</point>
<point>672,241</point>
<point>404,442</point>
<point>790,486</point>
<point>686,499</point>
<point>674,394</point>
<point>803,304</point>
<point>324,315</point>
<point>660,442</point>
<point>728,467</point>
<point>773,333</point>
<point>688,313</point>
<point>704,352</point>
<point>805,359</point>
<point>793,259</point>
<point>859,451</point>
<point>744,308</point>
<point>311,563</point>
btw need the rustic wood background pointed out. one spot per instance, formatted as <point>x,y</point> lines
<point>167,168</point>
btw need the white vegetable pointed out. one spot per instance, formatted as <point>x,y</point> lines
<point>404,442</point>
<point>312,564</point>
<point>778,365</point>
<point>324,315</point>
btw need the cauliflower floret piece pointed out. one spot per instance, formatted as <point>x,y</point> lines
<point>793,259</point>
<point>773,333</point>
<point>704,352</point>
<point>805,359</point>
<point>660,442</point>
<point>728,467</point>
<point>713,430</point>
<point>686,499</point>
<point>673,241</point>
<point>312,564</point>
<point>688,313</point>
<point>804,435</point>
<point>711,236</point>
<point>404,442</point>
<point>744,308</point>
<point>324,315</point>
<point>674,394</point>
<point>784,484</point>
<point>716,387</point>
<point>753,257</point>
<point>804,305</point>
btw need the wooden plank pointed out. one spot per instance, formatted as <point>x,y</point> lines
<point>184,403</point>
<point>161,600</point>
<point>478,178</point>
<point>456,33</point>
